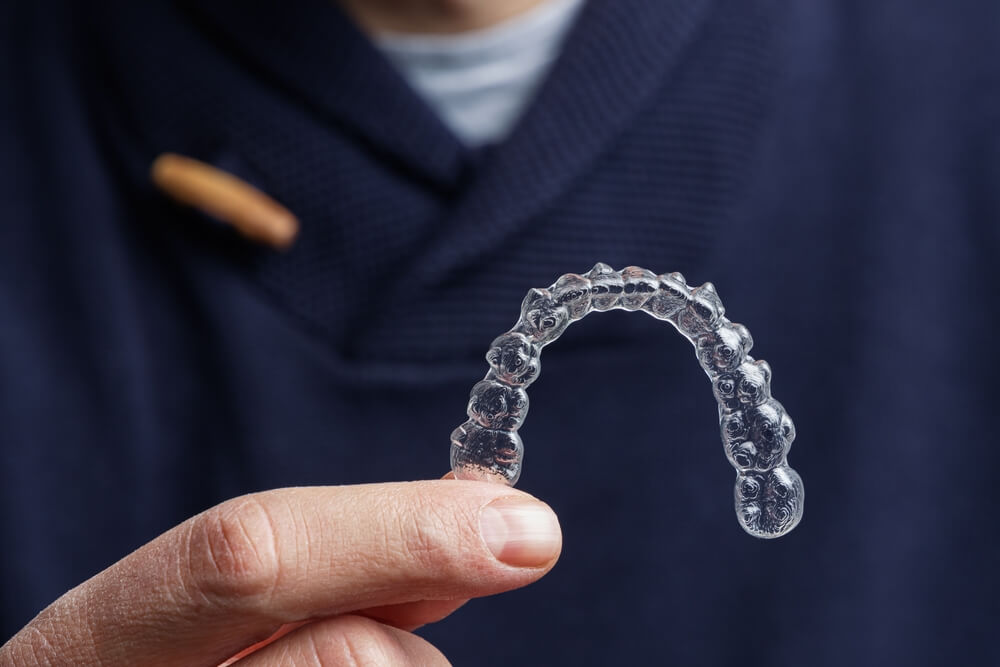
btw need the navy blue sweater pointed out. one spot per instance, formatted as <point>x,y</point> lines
<point>832,166</point>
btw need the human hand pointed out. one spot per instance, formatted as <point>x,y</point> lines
<point>348,572</point>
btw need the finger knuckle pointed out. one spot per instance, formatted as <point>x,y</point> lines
<point>232,552</point>
<point>426,541</point>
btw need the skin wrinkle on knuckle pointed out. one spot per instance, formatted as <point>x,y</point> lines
<point>425,537</point>
<point>232,555</point>
<point>435,547</point>
<point>174,588</point>
<point>308,539</point>
<point>397,543</point>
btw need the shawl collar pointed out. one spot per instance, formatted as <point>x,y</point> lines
<point>614,60</point>
<point>313,49</point>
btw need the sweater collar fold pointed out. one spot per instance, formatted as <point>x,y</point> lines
<point>616,57</point>
<point>313,50</point>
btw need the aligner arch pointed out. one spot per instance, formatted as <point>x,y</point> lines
<point>756,431</point>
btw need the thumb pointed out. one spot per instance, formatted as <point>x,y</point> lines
<point>235,573</point>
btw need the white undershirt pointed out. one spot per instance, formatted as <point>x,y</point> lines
<point>480,82</point>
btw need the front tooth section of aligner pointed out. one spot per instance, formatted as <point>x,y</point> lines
<point>606,287</point>
<point>671,295</point>
<point>639,286</point>
<point>497,405</point>
<point>769,504</point>
<point>573,291</point>
<point>725,348</point>
<point>543,319</point>
<point>514,359</point>
<point>486,455</point>
<point>702,312</point>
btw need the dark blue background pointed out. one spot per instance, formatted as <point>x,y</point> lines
<point>832,166</point>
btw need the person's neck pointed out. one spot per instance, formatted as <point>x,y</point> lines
<point>433,16</point>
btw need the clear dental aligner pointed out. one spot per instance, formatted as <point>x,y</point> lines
<point>756,430</point>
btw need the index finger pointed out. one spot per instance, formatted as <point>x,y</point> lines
<point>232,575</point>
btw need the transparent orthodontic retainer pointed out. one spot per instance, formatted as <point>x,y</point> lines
<point>756,431</point>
